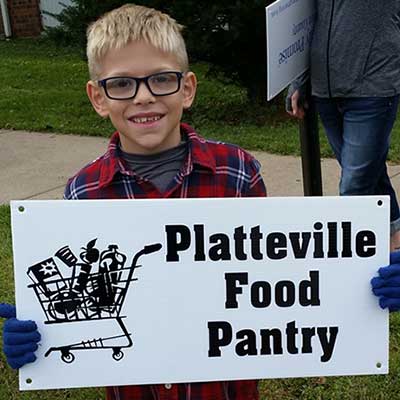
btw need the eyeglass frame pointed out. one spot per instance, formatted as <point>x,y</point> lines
<point>145,80</point>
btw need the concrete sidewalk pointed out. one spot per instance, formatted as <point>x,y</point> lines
<point>37,166</point>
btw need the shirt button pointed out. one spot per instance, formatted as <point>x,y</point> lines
<point>168,386</point>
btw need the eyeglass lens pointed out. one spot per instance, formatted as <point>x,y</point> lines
<point>159,84</point>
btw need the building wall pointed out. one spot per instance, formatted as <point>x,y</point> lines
<point>25,18</point>
<point>1,24</point>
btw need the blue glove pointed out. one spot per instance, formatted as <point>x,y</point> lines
<point>20,338</point>
<point>387,285</point>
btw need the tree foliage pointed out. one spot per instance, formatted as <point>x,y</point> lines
<point>228,34</point>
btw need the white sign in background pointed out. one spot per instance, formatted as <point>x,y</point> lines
<point>289,31</point>
<point>183,322</point>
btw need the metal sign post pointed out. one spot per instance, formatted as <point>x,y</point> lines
<point>310,151</point>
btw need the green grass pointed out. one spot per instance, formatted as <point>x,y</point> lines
<point>383,387</point>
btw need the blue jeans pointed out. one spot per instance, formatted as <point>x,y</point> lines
<point>358,131</point>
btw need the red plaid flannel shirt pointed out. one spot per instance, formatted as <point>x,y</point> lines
<point>211,169</point>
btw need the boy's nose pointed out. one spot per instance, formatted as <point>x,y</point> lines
<point>143,94</point>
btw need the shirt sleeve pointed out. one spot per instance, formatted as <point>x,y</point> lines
<point>256,186</point>
<point>67,191</point>
<point>299,84</point>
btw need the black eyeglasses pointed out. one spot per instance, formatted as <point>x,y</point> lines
<point>126,87</point>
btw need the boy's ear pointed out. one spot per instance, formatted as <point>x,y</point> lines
<point>97,98</point>
<point>189,89</point>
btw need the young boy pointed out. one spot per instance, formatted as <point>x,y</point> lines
<point>140,79</point>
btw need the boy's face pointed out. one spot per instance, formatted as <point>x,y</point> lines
<point>147,124</point>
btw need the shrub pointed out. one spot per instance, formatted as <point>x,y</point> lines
<point>230,35</point>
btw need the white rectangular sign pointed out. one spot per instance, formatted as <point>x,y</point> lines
<point>189,290</point>
<point>289,31</point>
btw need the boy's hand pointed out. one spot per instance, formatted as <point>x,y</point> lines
<point>387,285</point>
<point>20,338</point>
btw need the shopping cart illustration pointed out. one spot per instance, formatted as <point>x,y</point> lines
<point>96,290</point>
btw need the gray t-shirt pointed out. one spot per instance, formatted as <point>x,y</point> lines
<point>161,168</point>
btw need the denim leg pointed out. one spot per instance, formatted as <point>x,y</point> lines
<point>362,146</point>
<point>332,120</point>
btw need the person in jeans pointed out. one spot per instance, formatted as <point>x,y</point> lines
<point>355,82</point>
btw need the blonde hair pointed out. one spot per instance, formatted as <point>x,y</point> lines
<point>130,22</point>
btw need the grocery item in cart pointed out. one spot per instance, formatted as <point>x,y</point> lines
<point>111,260</point>
<point>90,255</point>
<point>66,255</point>
<point>47,275</point>
<point>80,282</point>
<point>64,305</point>
<point>102,286</point>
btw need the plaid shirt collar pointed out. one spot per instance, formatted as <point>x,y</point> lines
<point>199,155</point>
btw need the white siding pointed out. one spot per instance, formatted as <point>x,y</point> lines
<point>52,6</point>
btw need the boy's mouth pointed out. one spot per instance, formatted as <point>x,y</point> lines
<point>145,119</point>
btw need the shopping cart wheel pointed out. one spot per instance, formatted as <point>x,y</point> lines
<point>117,354</point>
<point>67,357</point>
